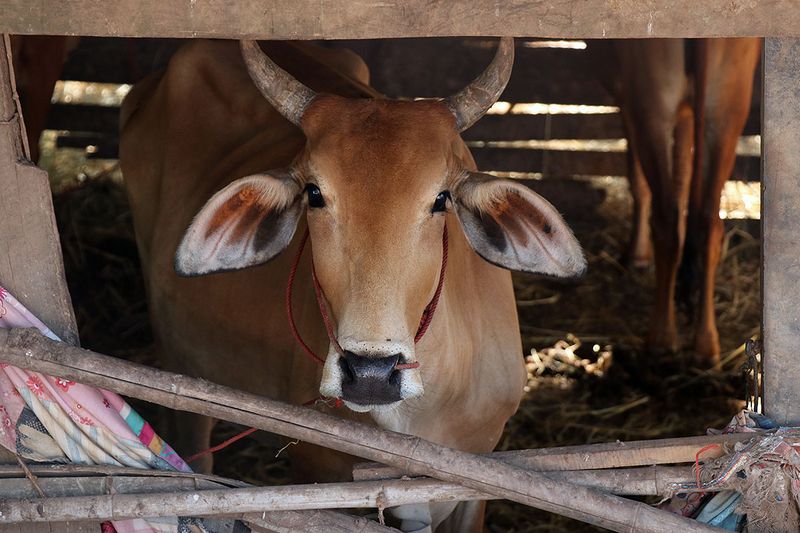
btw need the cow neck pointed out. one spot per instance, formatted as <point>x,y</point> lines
<point>424,322</point>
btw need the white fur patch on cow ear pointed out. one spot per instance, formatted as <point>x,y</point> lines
<point>245,224</point>
<point>511,226</point>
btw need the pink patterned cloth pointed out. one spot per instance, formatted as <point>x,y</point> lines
<point>46,418</point>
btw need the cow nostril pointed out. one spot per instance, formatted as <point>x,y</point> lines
<point>364,366</point>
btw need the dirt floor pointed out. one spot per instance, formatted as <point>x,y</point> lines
<point>599,384</point>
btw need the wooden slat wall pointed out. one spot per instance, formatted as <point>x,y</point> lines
<point>414,67</point>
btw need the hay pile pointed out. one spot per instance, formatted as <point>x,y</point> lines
<point>598,384</point>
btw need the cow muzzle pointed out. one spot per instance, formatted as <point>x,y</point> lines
<point>365,375</point>
<point>370,380</point>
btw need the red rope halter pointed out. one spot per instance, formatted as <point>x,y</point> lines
<point>425,320</point>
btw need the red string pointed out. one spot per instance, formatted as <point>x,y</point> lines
<point>221,445</point>
<point>424,323</point>
<point>430,309</point>
<point>289,284</point>
<point>697,461</point>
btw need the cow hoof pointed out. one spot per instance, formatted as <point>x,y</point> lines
<point>664,342</point>
<point>640,264</point>
<point>706,353</point>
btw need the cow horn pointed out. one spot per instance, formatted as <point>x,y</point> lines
<point>470,104</point>
<point>287,95</point>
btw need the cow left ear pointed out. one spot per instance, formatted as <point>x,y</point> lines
<point>245,224</point>
<point>511,226</point>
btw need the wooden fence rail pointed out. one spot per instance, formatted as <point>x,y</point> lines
<point>29,349</point>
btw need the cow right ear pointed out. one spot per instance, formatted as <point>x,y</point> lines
<point>245,224</point>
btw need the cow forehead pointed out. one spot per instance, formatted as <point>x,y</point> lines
<point>386,144</point>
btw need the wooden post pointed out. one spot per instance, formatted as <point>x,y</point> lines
<point>30,254</point>
<point>780,237</point>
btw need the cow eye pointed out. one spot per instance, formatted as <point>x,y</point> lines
<point>315,198</point>
<point>441,202</point>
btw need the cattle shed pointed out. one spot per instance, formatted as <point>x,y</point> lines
<point>590,478</point>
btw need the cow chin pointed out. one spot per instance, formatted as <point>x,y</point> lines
<point>364,388</point>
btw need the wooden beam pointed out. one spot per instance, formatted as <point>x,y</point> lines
<point>364,19</point>
<point>31,267</point>
<point>780,234</point>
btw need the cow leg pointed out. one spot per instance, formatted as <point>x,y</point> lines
<point>191,433</point>
<point>710,230</point>
<point>467,517</point>
<point>639,253</point>
<point>38,61</point>
<point>668,225</point>
<point>730,67</point>
<point>659,122</point>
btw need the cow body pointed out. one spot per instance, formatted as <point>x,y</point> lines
<point>38,62</point>
<point>684,105</point>
<point>201,125</point>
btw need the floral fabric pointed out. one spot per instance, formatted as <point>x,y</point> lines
<point>51,419</point>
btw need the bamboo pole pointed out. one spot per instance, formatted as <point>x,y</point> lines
<point>640,481</point>
<point>594,456</point>
<point>69,496</point>
<point>125,497</point>
<point>29,349</point>
<point>233,502</point>
<point>644,481</point>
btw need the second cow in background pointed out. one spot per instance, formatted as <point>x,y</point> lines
<point>684,105</point>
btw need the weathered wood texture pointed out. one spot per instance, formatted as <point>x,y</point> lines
<point>595,456</point>
<point>429,67</point>
<point>781,240</point>
<point>30,254</point>
<point>29,349</point>
<point>364,19</point>
<point>84,495</point>
<point>125,497</point>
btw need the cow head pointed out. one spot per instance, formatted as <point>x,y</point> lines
<point>377,179</point>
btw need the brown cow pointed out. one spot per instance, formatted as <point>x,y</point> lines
<point>684,105</point>
<point>38,62</point>
<point>376,182</point>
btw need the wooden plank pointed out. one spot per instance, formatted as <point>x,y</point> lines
<point>781,238</point>
<point>557,163</point>
<point>363,19</point>
<point>83,118</point>
<point>514,127</point>
<point>31,267</point>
